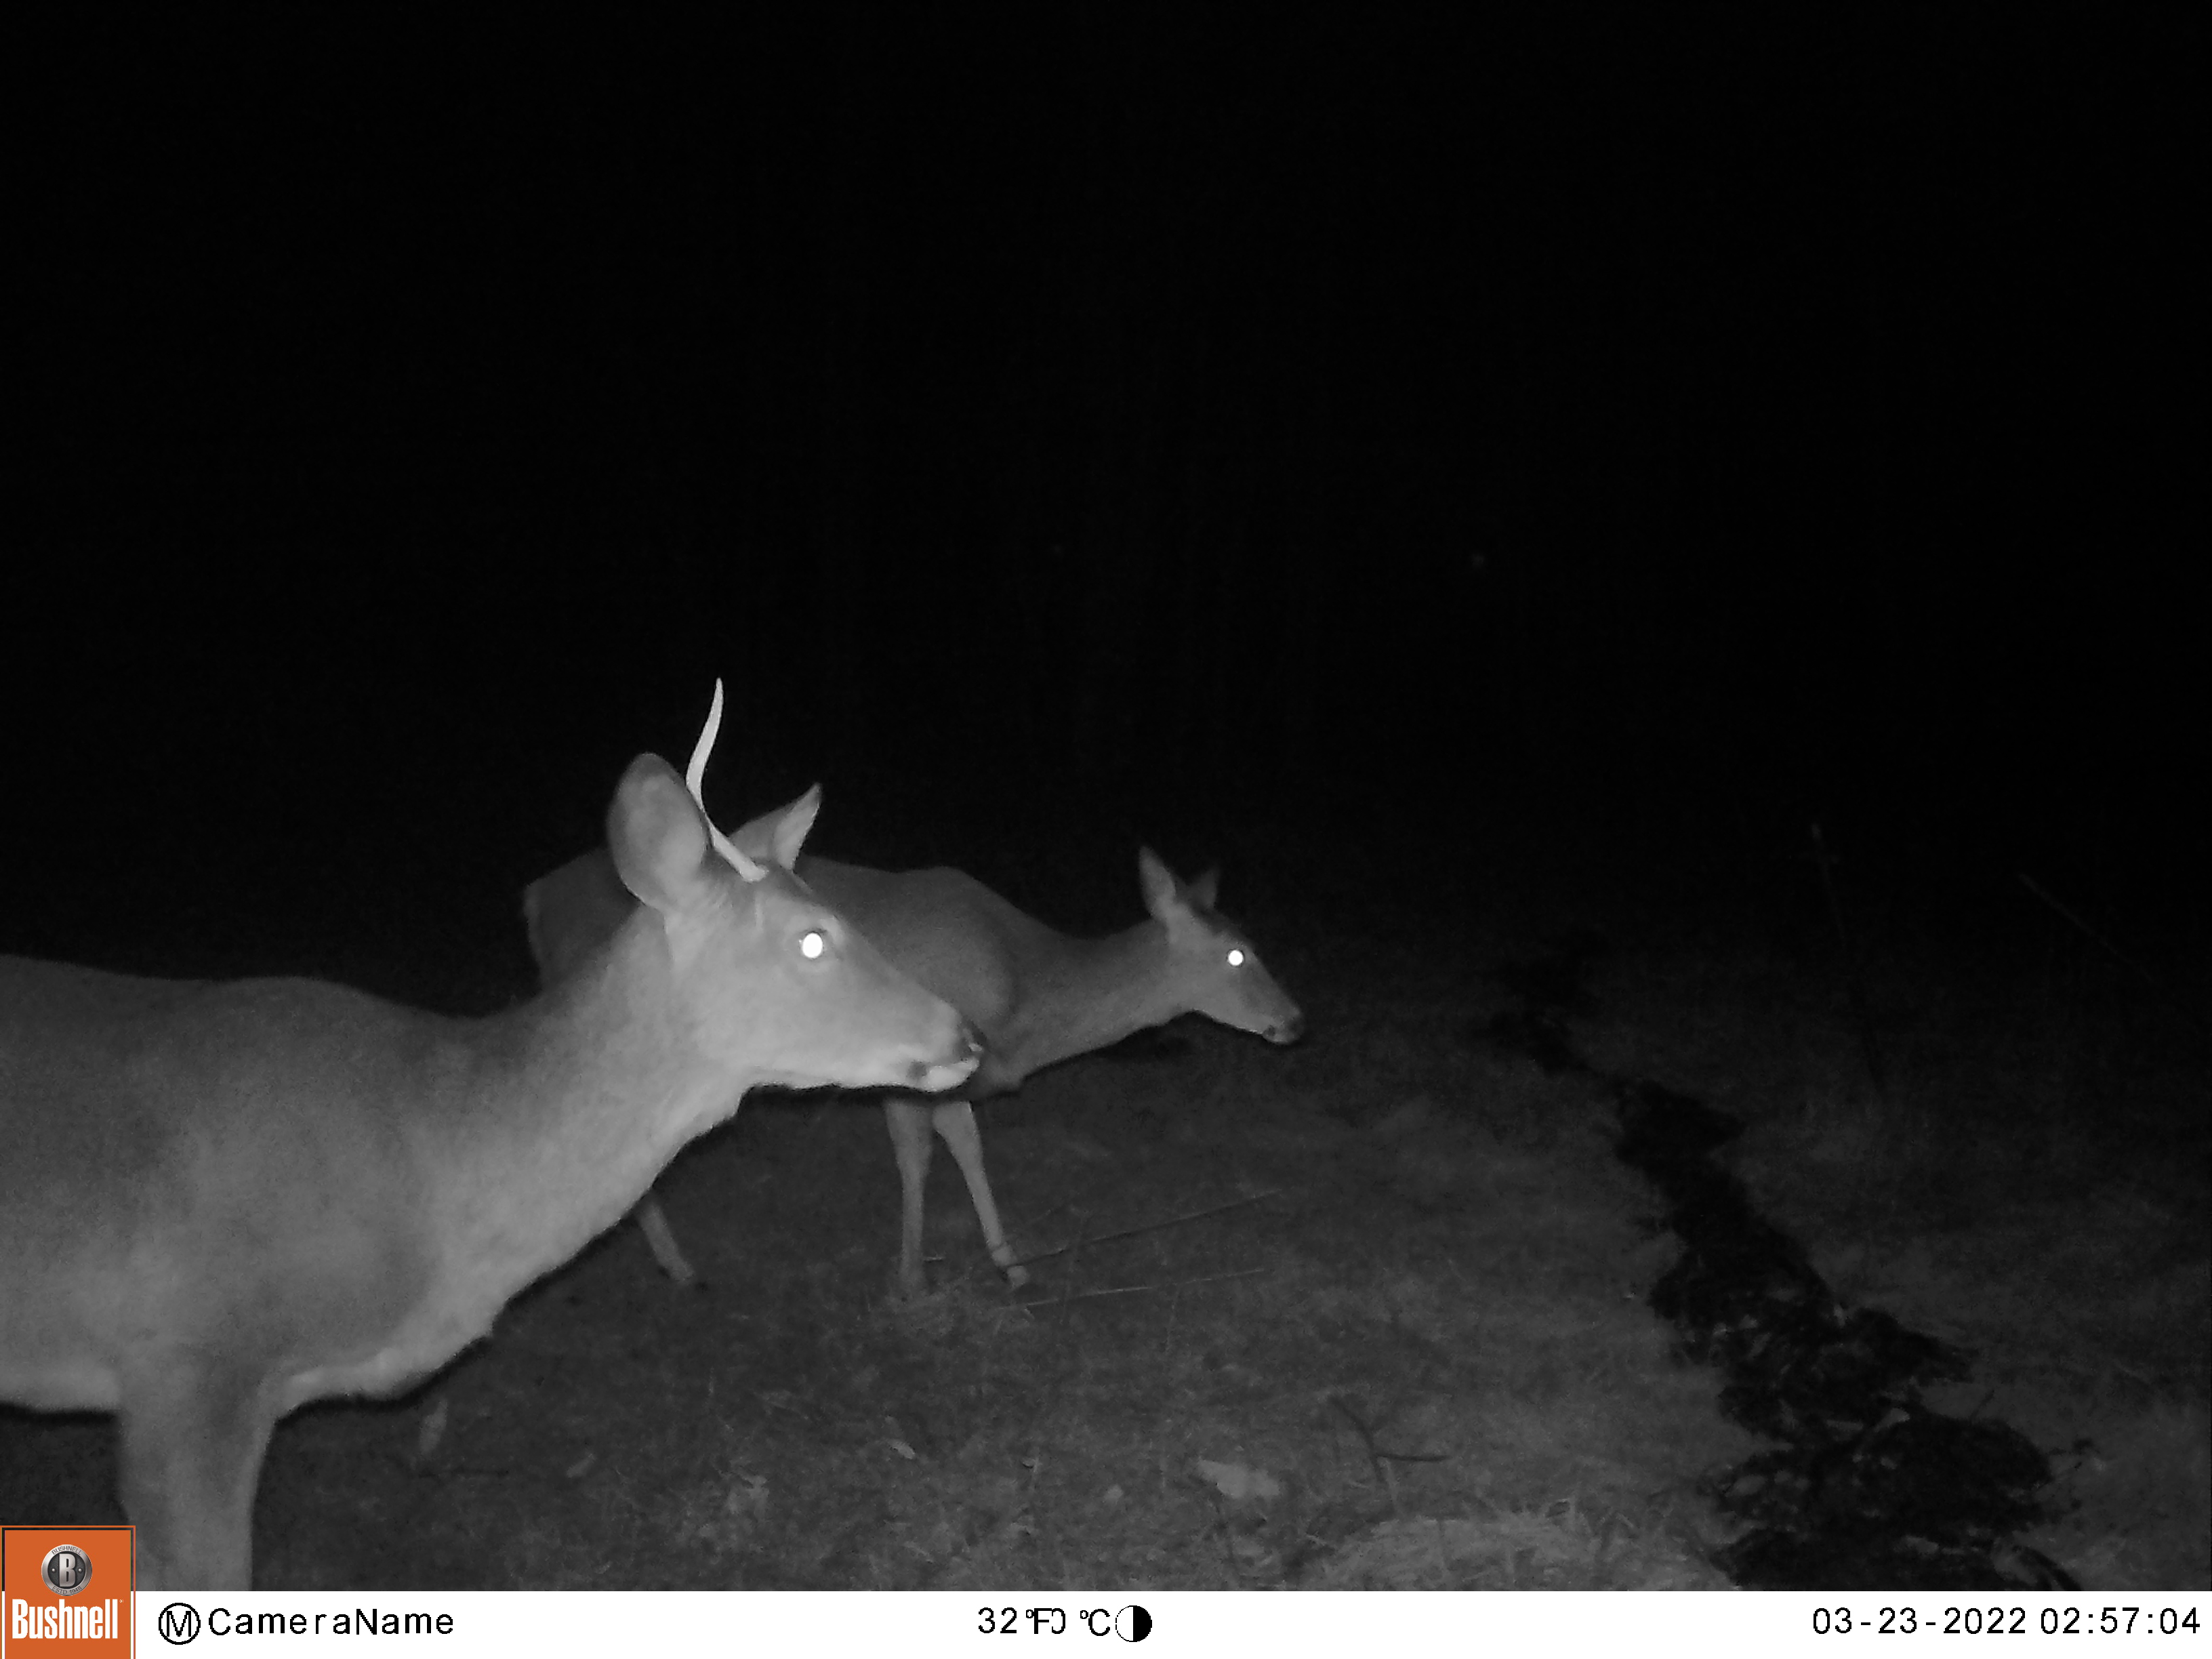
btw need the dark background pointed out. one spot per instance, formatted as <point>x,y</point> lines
<point>1359,447</point>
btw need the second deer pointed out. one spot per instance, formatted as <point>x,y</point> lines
<point>1037,995</point>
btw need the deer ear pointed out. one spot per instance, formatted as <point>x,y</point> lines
<point>1201,891</point>
<point>656,835</point>
<point>774,837</point>
<point>1164,894</point>
<point>791,828</point>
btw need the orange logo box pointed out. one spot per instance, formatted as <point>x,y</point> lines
<point>66,1593</point>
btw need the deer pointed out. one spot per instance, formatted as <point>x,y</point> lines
<point>1035,995</point>
<point>221,1200</point>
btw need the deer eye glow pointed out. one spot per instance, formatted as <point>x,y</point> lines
<point>812,944</point>
<point>1236,958</point>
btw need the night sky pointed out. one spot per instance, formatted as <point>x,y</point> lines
<point>1684,427</point>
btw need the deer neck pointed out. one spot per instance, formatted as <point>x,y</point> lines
<point>582,1095</point>
<point>1085,994</point>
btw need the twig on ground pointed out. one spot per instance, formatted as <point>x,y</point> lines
<point>2095,937</point>
<point>1150,1226</point>
<point>1380,1459</point>
<point>1137,1290</point>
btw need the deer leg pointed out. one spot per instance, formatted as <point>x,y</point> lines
<point>908,1119</point>
<point>192,1438</point>
<point>955,1121</point>
<point>662,1240</point>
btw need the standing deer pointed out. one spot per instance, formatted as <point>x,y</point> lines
<point>1037,995</point>
<point>219,1201</point>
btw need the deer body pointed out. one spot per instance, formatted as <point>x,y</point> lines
<point>221,1201</point>
<point>1037,996</point>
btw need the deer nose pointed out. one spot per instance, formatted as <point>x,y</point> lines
<point>968,1053</point>
<point>1288,1030</point>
